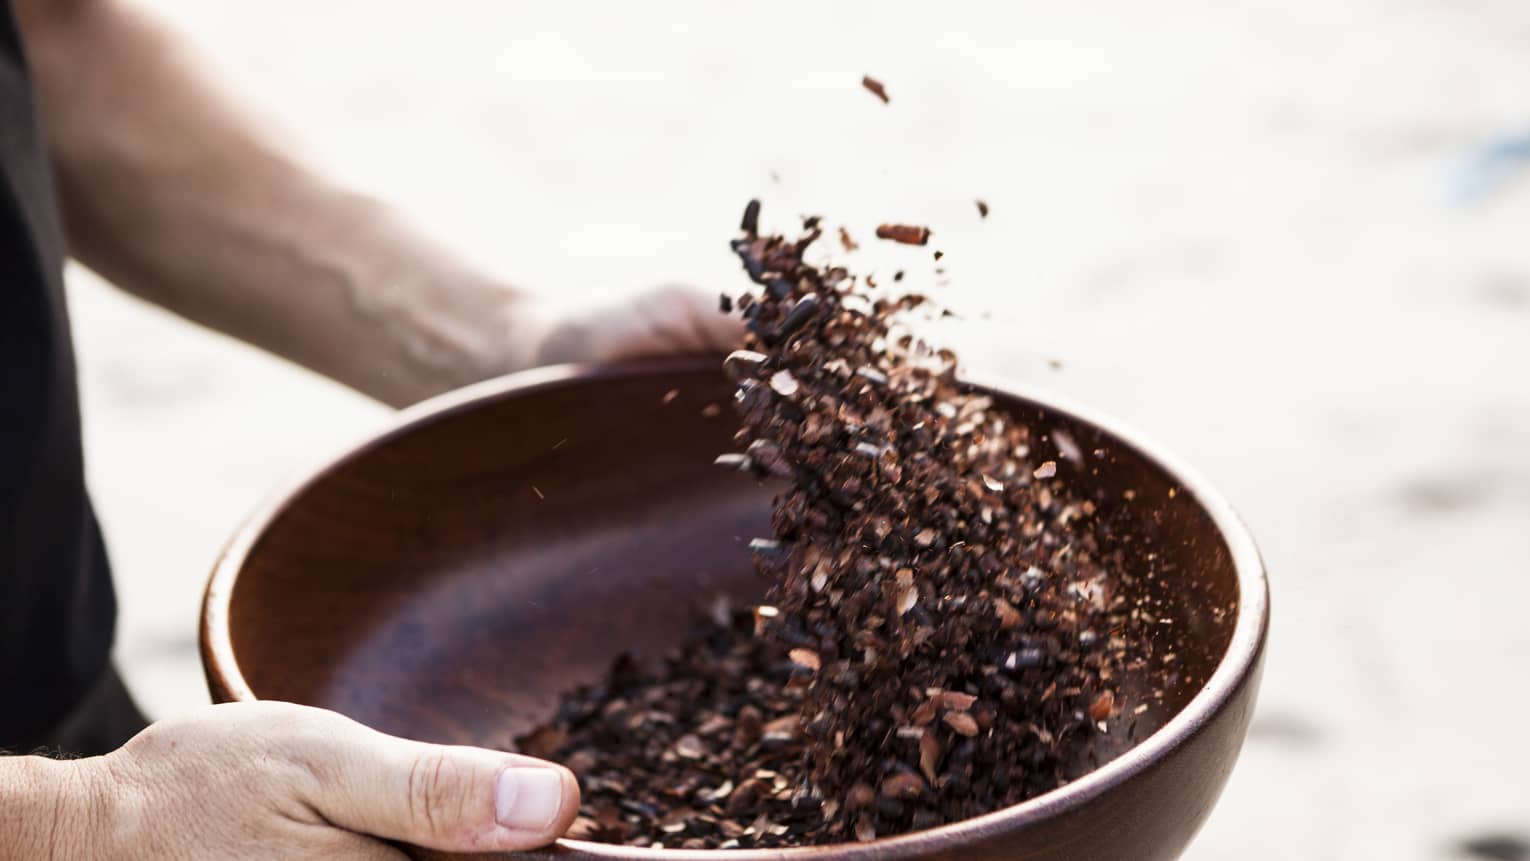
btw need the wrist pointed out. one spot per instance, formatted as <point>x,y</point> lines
<point>55,809</point>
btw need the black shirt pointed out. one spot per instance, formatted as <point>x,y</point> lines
<point>56,603</point>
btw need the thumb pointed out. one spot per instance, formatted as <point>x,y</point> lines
<point>456,799</point>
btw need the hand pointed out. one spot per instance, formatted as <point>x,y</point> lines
<point>281,781</point>
<point>659,321</point>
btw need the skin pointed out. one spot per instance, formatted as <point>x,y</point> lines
<point>177,193</point>
<point>276,780</point>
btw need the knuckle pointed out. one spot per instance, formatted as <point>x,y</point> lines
<point>435,793</point>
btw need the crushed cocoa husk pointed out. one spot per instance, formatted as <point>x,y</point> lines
<point>875,87</point>
<point>942,635</point>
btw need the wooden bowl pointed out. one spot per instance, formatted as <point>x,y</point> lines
<point>577,509</point>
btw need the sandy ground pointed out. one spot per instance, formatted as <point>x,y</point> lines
<point>1233,223</point>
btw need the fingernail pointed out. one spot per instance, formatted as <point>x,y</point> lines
<point>528,799</point>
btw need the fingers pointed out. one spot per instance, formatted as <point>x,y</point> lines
<point>673,319</point>
<point>458,799</point>
<point>707,324</point>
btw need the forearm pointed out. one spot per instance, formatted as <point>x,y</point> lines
<point>175,193</point>
<point>47,809</point>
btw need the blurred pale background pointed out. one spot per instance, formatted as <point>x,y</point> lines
<point>1235,225</point>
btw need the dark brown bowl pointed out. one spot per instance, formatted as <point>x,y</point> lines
<point>577,509</point>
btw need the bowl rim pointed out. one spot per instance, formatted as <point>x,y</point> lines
<point>1250,629</point>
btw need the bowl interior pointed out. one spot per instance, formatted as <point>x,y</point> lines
<point>447,580</point>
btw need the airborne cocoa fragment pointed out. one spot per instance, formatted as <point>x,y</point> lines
<point>1103,706</point>
<point>929,755</point>
<point>908,234</point>
<point>942,628</point>
<point>961,723</point>
<point>875,87</point>
<point>956,701</point>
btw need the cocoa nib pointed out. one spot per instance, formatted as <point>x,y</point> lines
<point>942,634</point>
<point>876,88</point>
<point>908,234</point>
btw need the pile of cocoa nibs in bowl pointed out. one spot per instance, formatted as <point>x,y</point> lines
<point>943,638</point>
